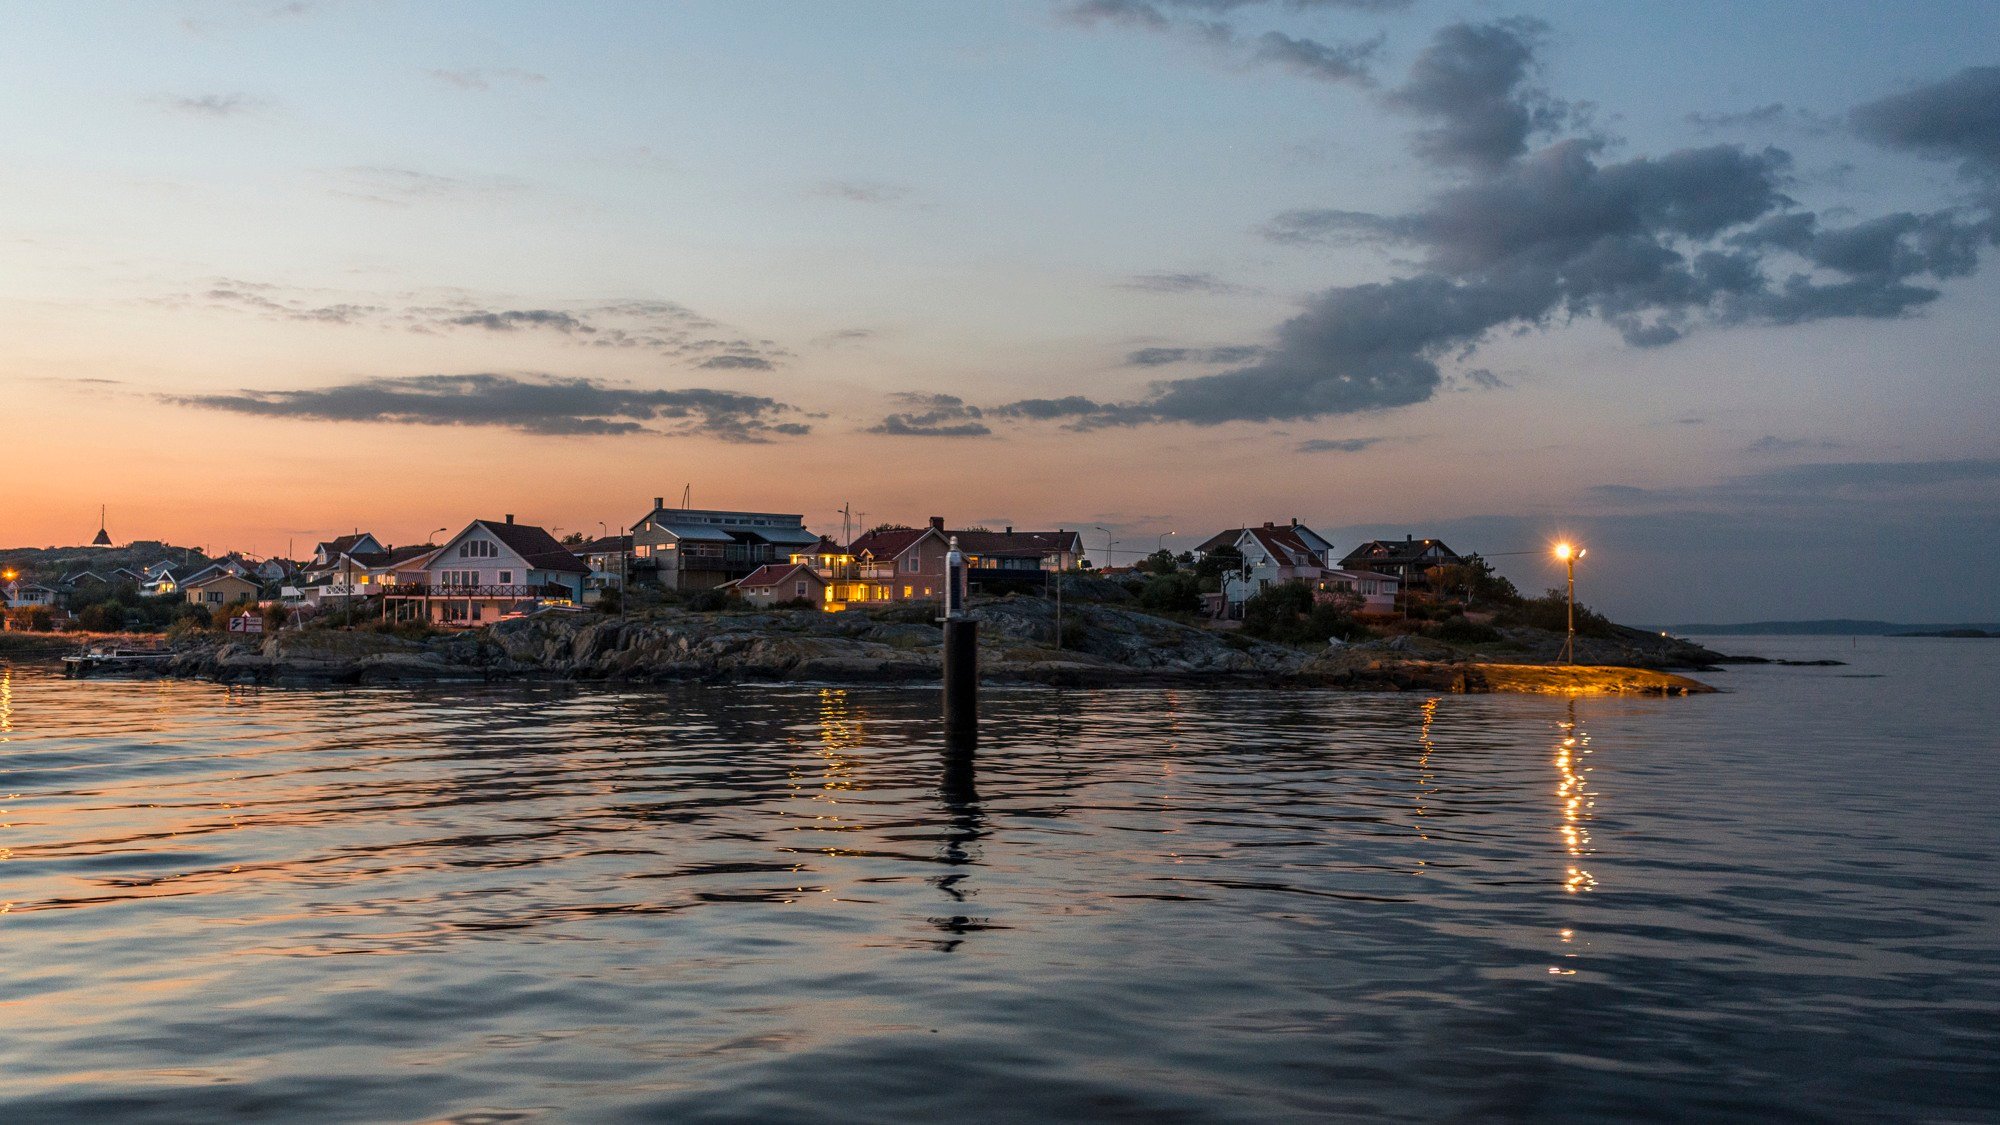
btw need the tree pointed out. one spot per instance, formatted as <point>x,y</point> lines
<point>1171,592</point>
<point>1159,562</point>
<point>573,539</point>
<point>1215,564</point>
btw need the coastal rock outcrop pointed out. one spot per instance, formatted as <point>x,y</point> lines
<point>1021,639</point>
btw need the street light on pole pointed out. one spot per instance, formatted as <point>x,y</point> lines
<point>1160,543</point>
<point>1569,555</point>
<point>1109,543</point>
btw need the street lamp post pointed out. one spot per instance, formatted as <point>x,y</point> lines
<point>1569,555</point>
<point>1109,543</point>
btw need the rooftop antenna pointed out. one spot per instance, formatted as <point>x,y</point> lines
<point>847,523</point>
<point>687,496</point>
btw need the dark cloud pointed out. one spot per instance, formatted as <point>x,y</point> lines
<point>1154,13</point>
<point>735,363</point>
<point>511,319</point>
<point>1765,119</point>
<point>1473,82</point>
<point>1329,62</point>
<point>1179,283</point>
<point>932,415</point>
<point>212,105</point>
<point>1198,19</point>
<point>1075,411</point>
<point>1956,119</point>
<point>1655,246</point>
<point>1869,475</point>
<point>1338,445</point>
<point>1158,357</point>
<point>535,404</point>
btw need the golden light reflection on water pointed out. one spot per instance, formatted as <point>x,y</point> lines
<point>1574,801</point>
<point>6,701</point>
<point>1425,779</point>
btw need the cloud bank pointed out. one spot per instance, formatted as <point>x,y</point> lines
<point>1527,237</point>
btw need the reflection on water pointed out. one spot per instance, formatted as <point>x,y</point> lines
<point>793,902</point>
<point>1574,801</point>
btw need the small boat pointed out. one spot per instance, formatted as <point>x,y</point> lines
<point>115,658</point>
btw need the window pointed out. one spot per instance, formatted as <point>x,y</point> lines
<point>906,591</point>
<point>802,588</point>
<point>506,577</point>
<point>913,564</point>
<point>642,551</point>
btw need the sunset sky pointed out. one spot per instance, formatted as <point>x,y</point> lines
<point>1705,285</point>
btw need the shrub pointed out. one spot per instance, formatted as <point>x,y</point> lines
<point>1550,612</point>
<point>1458,630</point>
<point>1287,613</point>
<point>1172,592</point>
<point>706,601</point>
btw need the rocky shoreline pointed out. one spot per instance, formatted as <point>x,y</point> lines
<point>1105,646</point>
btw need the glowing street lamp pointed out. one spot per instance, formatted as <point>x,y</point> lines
<point>1569,555</point>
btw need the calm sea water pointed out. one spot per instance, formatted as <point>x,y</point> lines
<point>784,903</point>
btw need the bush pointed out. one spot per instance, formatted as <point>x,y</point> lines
<point>610,601</point>
<point>706,601</point>
<point>1550,612</point>
<point>1288,613</point>
<point>1458,630</point>
<point>1172,592</point>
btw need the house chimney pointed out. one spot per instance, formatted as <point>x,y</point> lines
<point>659,502</point>
<point>937,522</point>
<point>1295,521</point>
<point>1409,539</point>
<point>1267,523</point>
<point>510,517</point>
<point>1010,529</point>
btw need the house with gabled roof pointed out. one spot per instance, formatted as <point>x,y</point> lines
<point>216,587</point>
<point>897,564</point>
<point>782,582</point>
<point>327,555</point>
<point>1272,554</point>
<point>491,569</point>
<point>1407,561</point>
<point>699,548</point>
<point>28,595</point>
<point>1018,551</point>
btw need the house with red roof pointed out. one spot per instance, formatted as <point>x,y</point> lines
<point>773,583</point>
<point>897,564</point>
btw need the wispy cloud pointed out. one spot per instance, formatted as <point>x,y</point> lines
<point>210,105</point>
<point>484,79</point>
<point>860,191</point>
<point>1180,283</point>
<point>1338,445</point>
<point>664,327</point>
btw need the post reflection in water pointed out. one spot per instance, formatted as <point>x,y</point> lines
<point>965,825</point>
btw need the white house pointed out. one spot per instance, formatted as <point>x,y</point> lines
<point>490,569</point>
<point>1272,554</point>
<point>29,595</point>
